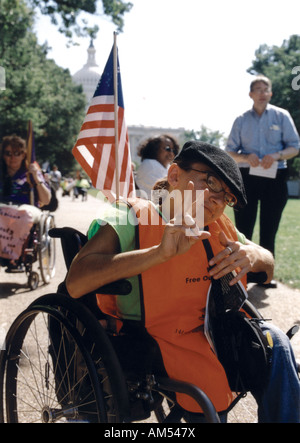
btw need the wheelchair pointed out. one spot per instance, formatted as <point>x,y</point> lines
<point>63,362</point>
<point>77,191</point>
<point>39,247</point>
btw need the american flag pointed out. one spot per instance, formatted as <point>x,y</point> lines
<point>95,146</point>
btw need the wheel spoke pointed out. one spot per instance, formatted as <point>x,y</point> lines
<point>54,371</point>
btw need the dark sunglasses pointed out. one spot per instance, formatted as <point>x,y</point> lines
<point>169,149</point>
<point>10,154</point>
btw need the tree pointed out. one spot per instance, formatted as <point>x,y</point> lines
<point>69,11</point>
<point>36,89</point>
<point>205,135</point>
<point>278,63</point>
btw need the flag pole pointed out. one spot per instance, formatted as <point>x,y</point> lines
<point>29,143</point>
<point>116,116</point>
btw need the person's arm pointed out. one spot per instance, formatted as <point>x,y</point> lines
<point>251,159</point>
<point>249,257</point>
<point>290,141</point>
<point>284,154</point>
<point>234,145</point>
<point>267,160</point>
<point>43,191</point>
<point>100,261</point>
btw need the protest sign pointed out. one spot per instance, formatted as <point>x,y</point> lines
<point>15,225</point>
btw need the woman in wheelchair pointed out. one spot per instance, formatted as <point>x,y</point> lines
<point>15,188</point>
<point>164,258</point>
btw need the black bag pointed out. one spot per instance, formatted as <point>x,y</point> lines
<point>243,350</point>
<point>239,342</point>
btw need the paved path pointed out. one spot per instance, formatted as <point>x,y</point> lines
<point>282,305</point>
<point>15,296</point>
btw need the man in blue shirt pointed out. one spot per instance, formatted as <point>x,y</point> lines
<point>261,140</point>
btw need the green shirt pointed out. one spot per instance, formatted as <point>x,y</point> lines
<point>123,220</point>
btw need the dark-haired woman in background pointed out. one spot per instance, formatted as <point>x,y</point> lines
<point>157,154</point>
<point>14,186</point>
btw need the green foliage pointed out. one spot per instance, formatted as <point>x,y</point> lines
<point>36,89</point>
<point>116,9</point>
<point>294,169</point>
<point>68,11</point>
<point>205,135</point>
<point>287,244</point>
<point>15,20</point>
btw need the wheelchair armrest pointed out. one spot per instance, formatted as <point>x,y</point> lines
<point>72,241</point>
<point>257,277</point>
<point>120,287</point>
<point>68,234</point>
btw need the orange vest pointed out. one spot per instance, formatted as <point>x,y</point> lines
<point>173,307</point>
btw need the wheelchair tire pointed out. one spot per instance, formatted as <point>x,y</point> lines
<point>46,251</point>
<point>33,280</point>
<point>59,366</point>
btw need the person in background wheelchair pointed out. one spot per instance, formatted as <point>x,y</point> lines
<point>166,263</point>
<point>14,182</point>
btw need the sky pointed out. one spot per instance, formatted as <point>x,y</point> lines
<point>183,62</point>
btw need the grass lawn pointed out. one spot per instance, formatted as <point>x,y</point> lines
<point>287,246</point>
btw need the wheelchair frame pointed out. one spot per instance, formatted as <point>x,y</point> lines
<point>39,247</point>
<point>40,380</point>
<point>61,365</point>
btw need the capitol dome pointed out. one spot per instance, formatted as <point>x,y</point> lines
<point>89,75</point>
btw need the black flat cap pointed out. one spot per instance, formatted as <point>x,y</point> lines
<point>220,162</point>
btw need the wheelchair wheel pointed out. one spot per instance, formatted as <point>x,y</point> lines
<point>46,252</point>
<point>55,369</point>
<point>33,280</point>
